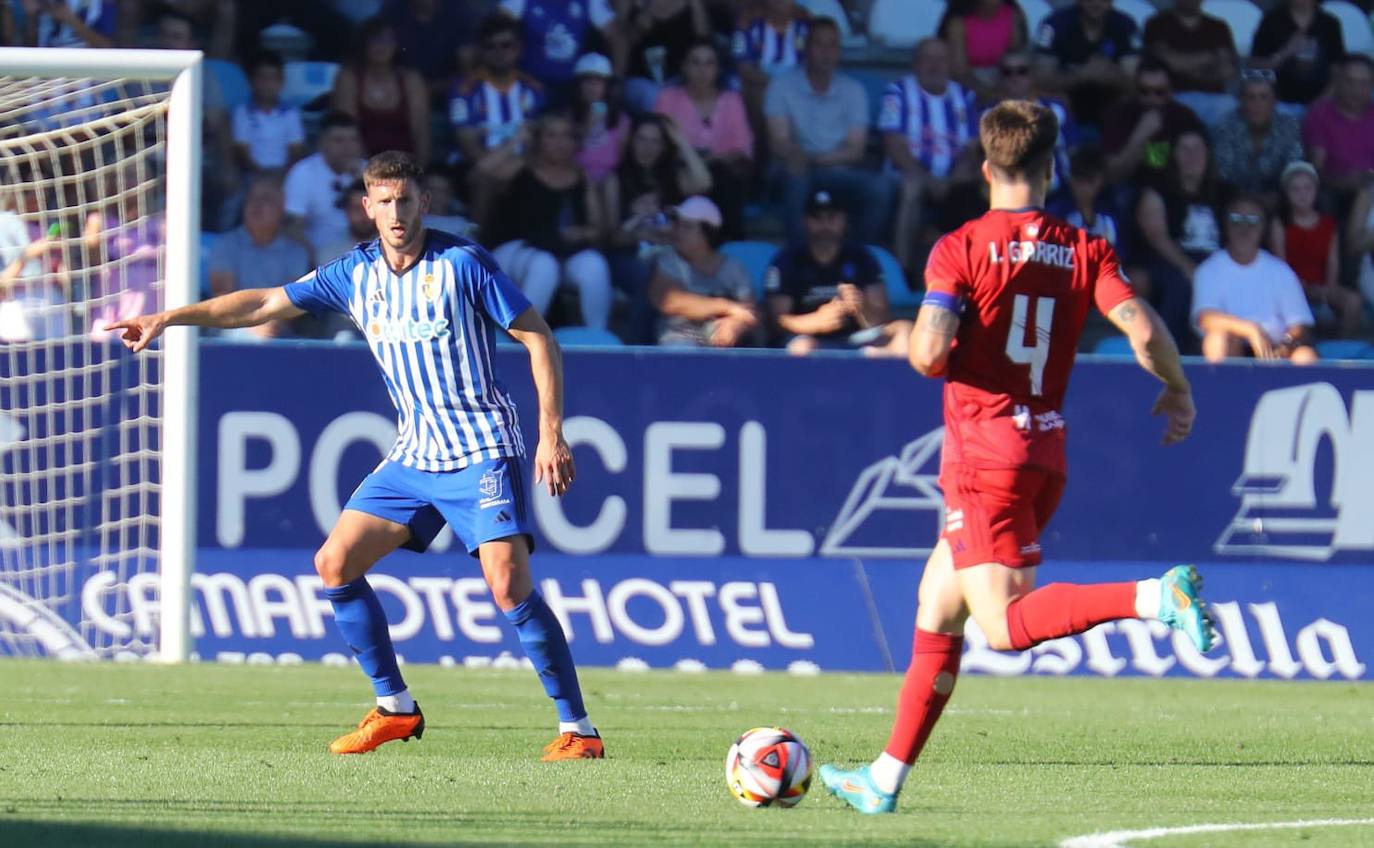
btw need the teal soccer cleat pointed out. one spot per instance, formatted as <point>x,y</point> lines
<point>857,790</point>
<point>1182,608</point>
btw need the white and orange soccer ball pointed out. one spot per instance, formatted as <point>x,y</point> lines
<point>768,766</point>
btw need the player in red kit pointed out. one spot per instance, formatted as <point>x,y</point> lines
<point>1006,298</point>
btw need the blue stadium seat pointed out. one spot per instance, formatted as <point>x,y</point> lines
<point>1035,11</point>
<point>1344,349</point>
<point>1242,16</point>
<point>902,23</point>
<point>754,256</point>
<point>207,244</point>
<point>586,337</point>
<point>874,85</point>
<point>1114,346</point>
<point>899,296</point>
<point>1355,26</point>
<point>233,83</point>
<point>306,82</point>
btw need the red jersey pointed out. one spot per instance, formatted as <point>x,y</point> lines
<point>1025,281</point>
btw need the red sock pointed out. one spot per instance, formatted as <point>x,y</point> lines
<point>928,685</point>
<point>1063,609</point>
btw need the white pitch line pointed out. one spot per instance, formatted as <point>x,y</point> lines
<point>1120,838</point>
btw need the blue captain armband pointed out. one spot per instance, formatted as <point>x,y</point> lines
<point>944,300</point>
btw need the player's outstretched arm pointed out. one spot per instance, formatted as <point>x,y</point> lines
<point>553,462</point>
<point>1156,352</point>
<point>931,339</point>
<point>246,308</point>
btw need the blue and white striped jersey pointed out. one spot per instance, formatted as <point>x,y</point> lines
<point>432,332</point>
<point>480,103</point>
<point>937,126</point>
<point>758,43</point>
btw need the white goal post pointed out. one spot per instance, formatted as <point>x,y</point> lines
<point>175,454</point>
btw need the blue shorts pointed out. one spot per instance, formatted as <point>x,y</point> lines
<point>482,503</point>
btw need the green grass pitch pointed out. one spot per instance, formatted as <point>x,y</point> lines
<point>206,755</point>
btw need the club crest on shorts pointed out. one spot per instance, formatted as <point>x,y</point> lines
<point>489,487</point>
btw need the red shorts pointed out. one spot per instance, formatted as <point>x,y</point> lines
<point>996,515</point>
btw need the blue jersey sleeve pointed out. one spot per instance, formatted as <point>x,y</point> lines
<point>493,291</point>
<point>328,288</point>
<point>745,46</point>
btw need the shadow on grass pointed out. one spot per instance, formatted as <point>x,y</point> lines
<point>44,834</point>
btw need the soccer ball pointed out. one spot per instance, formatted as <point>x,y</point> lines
<point>768,766</point>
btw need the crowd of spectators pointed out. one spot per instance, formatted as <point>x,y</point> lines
<point>613,153</point>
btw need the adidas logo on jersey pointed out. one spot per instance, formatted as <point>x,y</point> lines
<point>1040,252</point>
<point>407,330</point>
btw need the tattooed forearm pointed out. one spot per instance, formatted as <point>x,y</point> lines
<point>938,320</point>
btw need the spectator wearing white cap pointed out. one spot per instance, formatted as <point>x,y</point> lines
<point>705,299</point>
<point>827,292</point>
<point>602,126</point>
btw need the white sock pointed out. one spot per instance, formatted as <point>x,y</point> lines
<point>582,727</point>
<point>1147,599</point>
<point>401,702</point>
<point>888,773</point>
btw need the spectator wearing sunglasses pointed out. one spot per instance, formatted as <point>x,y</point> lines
<point>979,33</point>
<point>1247,301</point>
<point>1140,132</point>
<point>1254,144</point>
<point>1201,57</point>
<point>1015,81</point>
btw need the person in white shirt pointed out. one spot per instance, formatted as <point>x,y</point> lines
<point>1245,297</point>
<point>313,185</point>
<point>267,135</point>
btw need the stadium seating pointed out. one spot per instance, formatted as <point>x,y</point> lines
<point>307,82</point>
<point>829,9</point>
<point>1035,12</point>
<point>233,83</point>
<point>1114,346</point>
<point>754,256</point>
<point>1139,11</point>
<point>586,337</point>
<point>900,297</point>
<point>1355,27</point>
<point>893,23</point>
<point>1242,16</point>
<point>874,84</point>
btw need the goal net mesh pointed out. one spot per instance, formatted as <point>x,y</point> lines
<point>82,185</point>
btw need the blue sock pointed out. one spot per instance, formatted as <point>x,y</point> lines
<point>362,621</point>
<point>542,638</point>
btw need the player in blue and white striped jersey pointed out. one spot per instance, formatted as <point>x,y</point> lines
<point>429,304</point>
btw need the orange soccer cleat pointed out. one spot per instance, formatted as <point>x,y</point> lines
<point>573,746</point>
<point>379,727</point>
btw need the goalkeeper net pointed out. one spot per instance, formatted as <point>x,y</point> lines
<point>83,243</point>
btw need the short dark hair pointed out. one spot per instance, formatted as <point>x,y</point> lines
<point>263,59</point>
<point>1087,162</point>
<point>336,120</point>
<point>497,23</point>
<point>819,23</point>
<point>392,166</point>
<point>1018,137</point>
